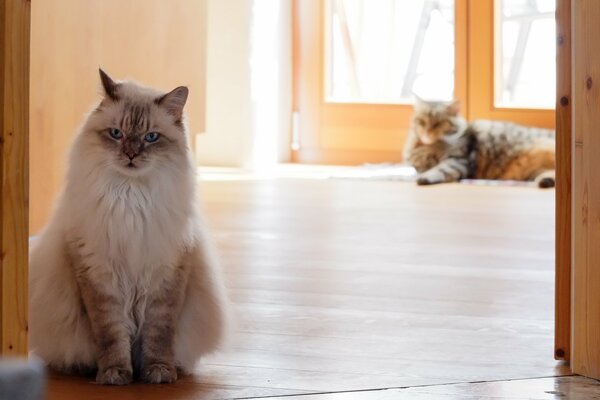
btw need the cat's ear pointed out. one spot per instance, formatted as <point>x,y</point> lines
<point>174,101</point>
<point>453,108</point>
<point>110,86</point>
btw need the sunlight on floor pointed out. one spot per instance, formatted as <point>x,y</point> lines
<point>375,172</point>
<point>304,171</point>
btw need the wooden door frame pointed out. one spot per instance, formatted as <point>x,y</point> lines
<point>14,157</point>
<point>563,208</point>
<point>585,87</point>
<point>14,166</point>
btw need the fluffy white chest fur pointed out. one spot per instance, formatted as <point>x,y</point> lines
<point>135,226</point>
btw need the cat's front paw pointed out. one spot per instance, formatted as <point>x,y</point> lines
<point>114,376</point>
<point>421,181</point>
<point>159,373</point>
<point>431,177</point>
<point>424,180</point>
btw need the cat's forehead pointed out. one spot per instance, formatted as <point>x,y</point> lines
<point>136,109</point>
<point>431,110</point>
<point>135,116</point>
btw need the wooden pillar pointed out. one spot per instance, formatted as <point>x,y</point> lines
<point>585,351</point>
<point>562,321</point>
<point>14,172</point>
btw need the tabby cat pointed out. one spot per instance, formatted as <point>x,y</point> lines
<point>443,147</point>
<point>122,280</point>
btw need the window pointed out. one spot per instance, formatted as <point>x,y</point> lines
<point>386,51</point>
<point>359,63</point>
<point>525,54</point>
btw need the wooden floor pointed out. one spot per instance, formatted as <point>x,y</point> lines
<point>377,290</point>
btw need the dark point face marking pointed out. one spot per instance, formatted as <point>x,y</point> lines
<point>135,118</point>
<point>150,126</point>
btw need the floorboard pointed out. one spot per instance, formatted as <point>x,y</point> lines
<point>352,285</point>
<point>569,388</point>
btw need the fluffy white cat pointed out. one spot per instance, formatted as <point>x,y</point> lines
<point>122,279</point>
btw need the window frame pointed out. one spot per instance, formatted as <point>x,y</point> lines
<point>357,133</point>
<point>483,28</point>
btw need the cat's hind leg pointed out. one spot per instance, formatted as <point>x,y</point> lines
<point>536,164</point>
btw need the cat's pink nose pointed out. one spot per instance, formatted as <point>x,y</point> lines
<point>131,154</point>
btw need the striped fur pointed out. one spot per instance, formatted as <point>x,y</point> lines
<point>443,147</point>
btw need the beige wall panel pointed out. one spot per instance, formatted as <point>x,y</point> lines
<point>156,42</point>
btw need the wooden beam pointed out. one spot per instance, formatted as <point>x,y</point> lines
<point>585,351</point>
<point>562,320</point>
<point>14,173</point>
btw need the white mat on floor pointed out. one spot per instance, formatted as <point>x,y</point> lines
<point>406,173</point>
<point>388,172</point>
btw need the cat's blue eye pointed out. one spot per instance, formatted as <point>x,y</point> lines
<point>115,133</point>
<point>151,137</point>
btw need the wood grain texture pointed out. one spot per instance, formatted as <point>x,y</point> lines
<point>572,388</point>
<point>159,43</point>
<point>586,202</point>
<point>14,172</point>
<point>563,215</point>
<point>345,285</point>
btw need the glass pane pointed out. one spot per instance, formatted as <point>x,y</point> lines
<point>526,54</point>
<point>386,51</point>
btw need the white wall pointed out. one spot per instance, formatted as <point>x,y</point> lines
<point>228,119</point>
<point>244,40</point>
